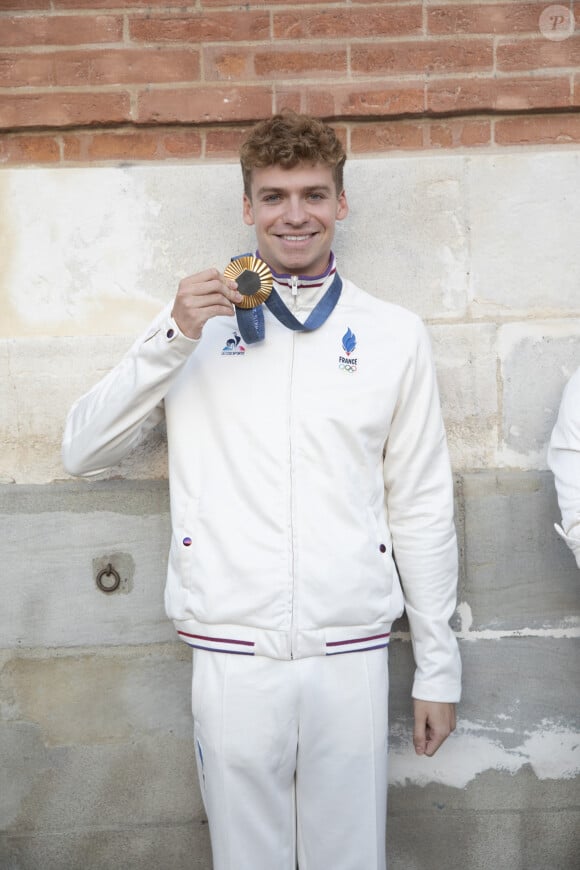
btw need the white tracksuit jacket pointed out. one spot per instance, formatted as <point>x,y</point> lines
<point>564,460</point>
<point>297,466</point>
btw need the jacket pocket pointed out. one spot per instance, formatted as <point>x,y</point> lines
<point>380,537</point>
<point>183,543</point>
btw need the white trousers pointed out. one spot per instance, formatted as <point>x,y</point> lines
<point>292,759</point>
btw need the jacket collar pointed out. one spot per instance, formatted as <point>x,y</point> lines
<point>302,292</point>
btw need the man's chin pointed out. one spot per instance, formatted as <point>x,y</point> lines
<point>298,264</point>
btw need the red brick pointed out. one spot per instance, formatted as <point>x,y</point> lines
<point>182,143</point>
<point>113,4</point>
<point>392,136</point>
<point>23,5</point>
<point>94,67</point>
<point>60,30</point>
<point>200,27</point>
<point>157,65</point>
<point>29,148</point>
<point>273,64</point>
<point>440,56</point>
<point>459,133</point>
<point>282,63</point>
<point>292,98</point>
<point>514,17</point>
<point>309,98</point>
<point>131,145</point>
<point>538,130</point>
<point>538,54</point>
<point>111,146</point>
<point>30,70</point>
<point>229,64</point>
<point>74,147</point>
<point>62,109</point>
<point>224,143</point>
<point>215,4</point>
<point>341,133</point>
<point>205,104</point>
<point>353,23</point>
<point>500,94</point>
<point>371,99</point>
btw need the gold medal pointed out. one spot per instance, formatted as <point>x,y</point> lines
<point>254,280</point>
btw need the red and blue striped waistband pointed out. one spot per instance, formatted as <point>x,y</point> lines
<point>237,646</point>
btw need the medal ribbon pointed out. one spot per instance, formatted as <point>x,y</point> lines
<point>251,320</point>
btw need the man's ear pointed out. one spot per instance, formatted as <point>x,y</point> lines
<point>248,211</point>
<point>342,206</point>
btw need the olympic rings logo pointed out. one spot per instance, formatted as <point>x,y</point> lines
<point>347,367</point>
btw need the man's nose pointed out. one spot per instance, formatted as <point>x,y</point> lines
<point>295,211</point>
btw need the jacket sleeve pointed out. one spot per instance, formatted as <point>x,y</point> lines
<point>564,461</point>
<point>419,498</point>
<point>109,421</point>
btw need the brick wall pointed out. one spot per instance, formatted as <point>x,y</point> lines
<point>109,80</point>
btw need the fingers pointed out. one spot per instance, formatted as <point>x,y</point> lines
<point>209,279</point>
<point>434,722</point>
<point>202,296</point>
<point>420,736</point>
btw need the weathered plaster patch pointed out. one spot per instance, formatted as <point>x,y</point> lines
<point>78,254</point>
<point>553,753</point>
<point>569,629</point>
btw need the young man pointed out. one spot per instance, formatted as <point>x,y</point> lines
<point>306,454</point>
<point>564,460</point>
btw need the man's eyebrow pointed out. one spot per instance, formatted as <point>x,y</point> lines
<point>269,190</point>
<point>324,188</point>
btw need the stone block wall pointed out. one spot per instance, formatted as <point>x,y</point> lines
<point>96,758</point>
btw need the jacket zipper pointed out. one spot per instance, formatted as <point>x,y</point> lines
<point>294,289</point>
<point>291,488</point>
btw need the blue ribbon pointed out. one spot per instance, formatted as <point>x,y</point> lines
<point>251,320</point>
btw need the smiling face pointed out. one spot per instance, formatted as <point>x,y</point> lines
<point>294,212</point>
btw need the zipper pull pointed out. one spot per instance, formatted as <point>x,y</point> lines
<point>294,288</point>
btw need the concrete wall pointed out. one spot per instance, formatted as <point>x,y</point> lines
<point>95,733</point>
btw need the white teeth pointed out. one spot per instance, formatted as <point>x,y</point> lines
<point>295,238</point>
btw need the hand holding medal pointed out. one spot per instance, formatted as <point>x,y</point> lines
<point>202,296</point>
